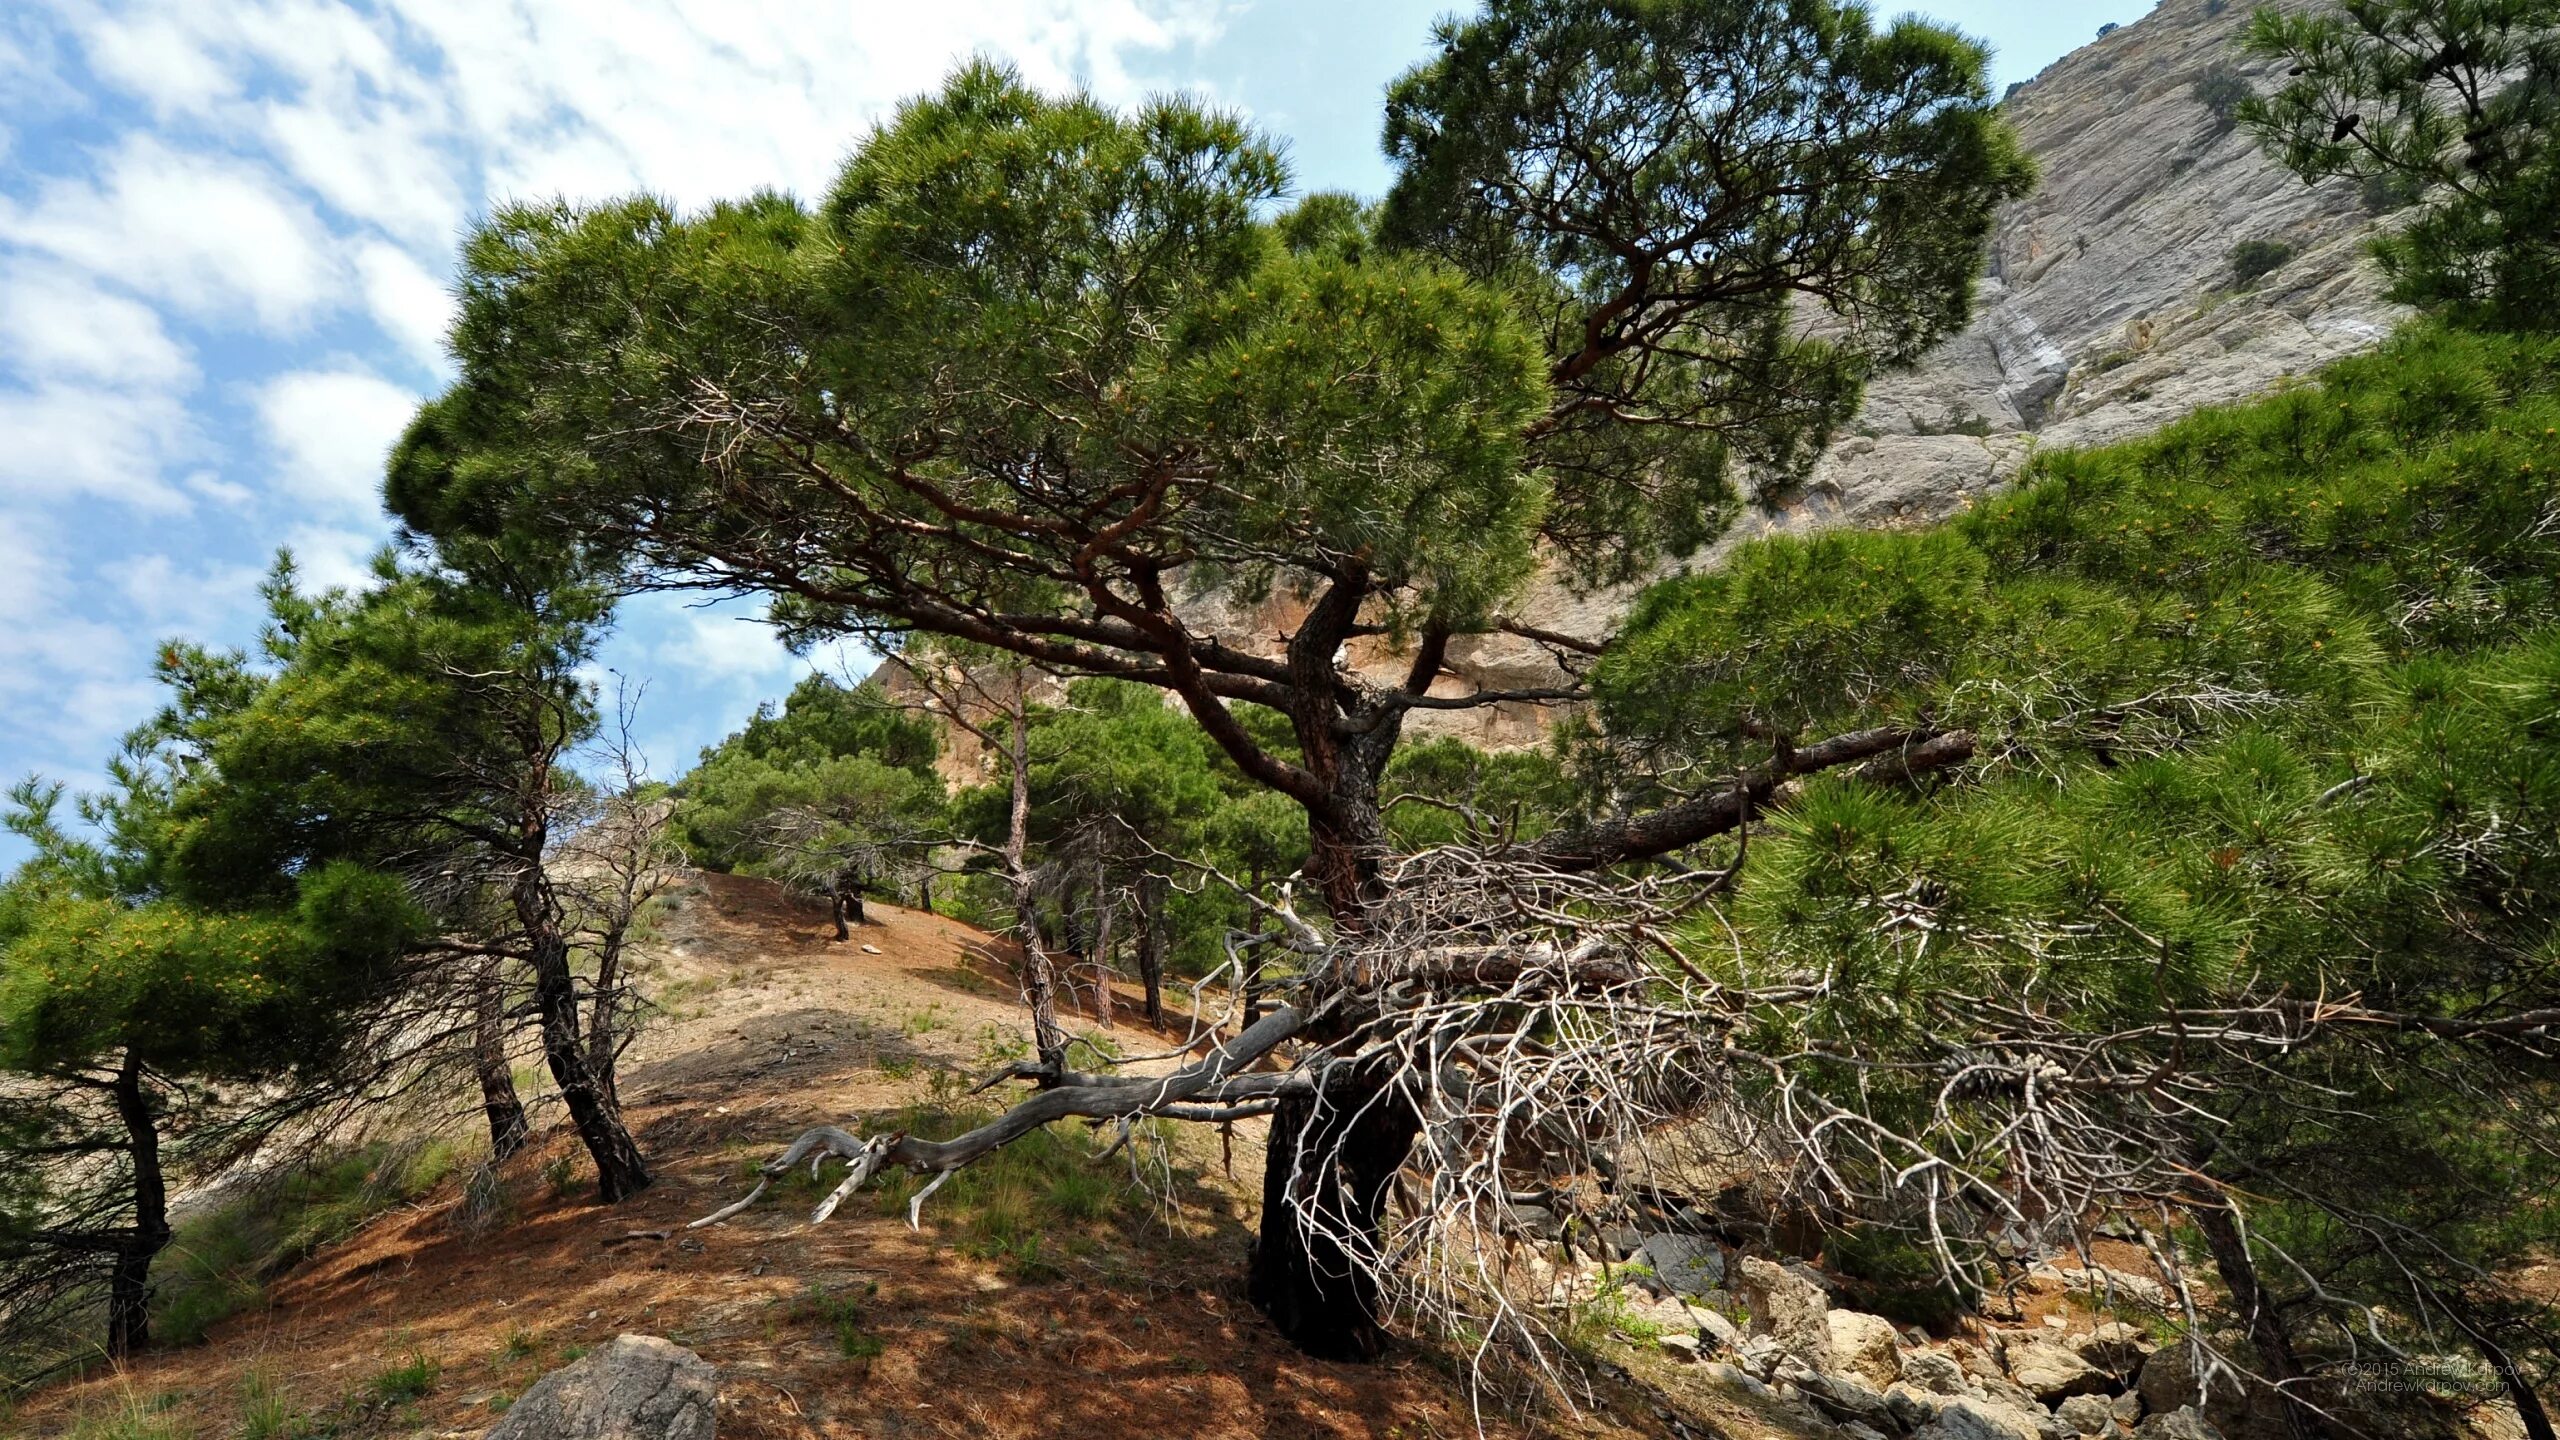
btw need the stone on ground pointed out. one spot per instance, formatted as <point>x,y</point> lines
<point>637,1388</point>
<point>1687,1264</point>
<point>2050,1372</point>
<point>1788,1308</point>
<point>1865,1346</point>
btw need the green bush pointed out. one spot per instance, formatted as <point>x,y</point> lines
<point>2221,90</point>
<point>2254,260</point>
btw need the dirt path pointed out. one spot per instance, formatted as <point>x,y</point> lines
<point>1135,1325</point>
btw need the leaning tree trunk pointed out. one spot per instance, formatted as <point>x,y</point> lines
<point>129,1283</point>
<point>620,1170</point>
<point>498,1100</point>
<point>1331,1162</point>
<point>2282,1366</point>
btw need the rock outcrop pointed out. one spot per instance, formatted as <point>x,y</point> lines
<point>637,1388</point>
<point>2110,308</point>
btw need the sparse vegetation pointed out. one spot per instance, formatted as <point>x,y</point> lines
<point>406,1379</point>
<point>2254,260</point>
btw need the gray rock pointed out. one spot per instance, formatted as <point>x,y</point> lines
<point>2114,1346</point>
<point>1679,1344</point>
<point>1934,1371</point>
<point>1912,1408</point>
<point>1687,1264</point>
<point>1789,1308</point>
<point>2182,1423</point>
<point>1981,1420</point>
<point>2051,1372</point>
<point>2086,1415</point>
<point>637,1388</point>
<point>1729,1377</point>
<point>2170,1381</point>
<point>1537,1221</point>
<point>1848,1400</point>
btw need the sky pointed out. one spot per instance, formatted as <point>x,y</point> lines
<point>227,228</point>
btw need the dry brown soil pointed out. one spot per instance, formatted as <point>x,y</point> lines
<point>772,1026</point>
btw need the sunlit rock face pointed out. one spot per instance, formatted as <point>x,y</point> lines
<point>2109,308</point>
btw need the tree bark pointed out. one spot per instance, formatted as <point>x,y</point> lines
<point>1046,1038</point>
<point>1327,1173</point>
<point>1101,956</point>
<point>129,1284</point>
<point>508,1127</point>
<point>1151,945</point>
<point>620,1170</point>
<point>2277,1359</point>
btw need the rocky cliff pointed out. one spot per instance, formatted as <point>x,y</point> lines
<point>2111,306</point>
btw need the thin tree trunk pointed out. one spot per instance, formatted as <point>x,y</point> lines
<point>2220,1225</point>
<point>604,1022</point>
<point>620,1170</point>
<point>1151,945</point>
<point>129,1284</point>
<point>2537,1420</point>
<point>1046,1037</point>
<point>508,1127</point>
<point>1101,955</point>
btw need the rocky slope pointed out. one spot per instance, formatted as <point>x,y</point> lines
<point>2109,309</point>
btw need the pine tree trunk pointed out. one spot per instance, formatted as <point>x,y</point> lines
<point>1037,989</point>
<point>1101,954</point>
<point>1151,945</point>
<point>1327,1173</point>
<point>620,1170</point>
<point>129,1284</point>
<point>508,1127</point>
<point>2277,1359</point>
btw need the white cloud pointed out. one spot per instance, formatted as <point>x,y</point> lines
<point>209,235</point>
<point>69,682</point>
<point>411,306</point>
<point>197,598</point>
<point>720,648</point>
<point>333,557</point>
<point>330,431</point>
<point>55,323</point>
<point>67,441</point>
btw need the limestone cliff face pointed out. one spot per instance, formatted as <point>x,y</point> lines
<point>2109,309</point>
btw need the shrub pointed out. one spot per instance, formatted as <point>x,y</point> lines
<point>2254,260</point>
<point>2221,90</point>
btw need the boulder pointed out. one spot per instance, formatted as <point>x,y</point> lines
<point>2052,1372</point>
<point>2114,1346</point>
<point>1848,1400</point>
<point>2169,1380</point>
<point>1912,1408</point>
<point>1686,1264</point>
<point>2182,1423</point>
<point>1933,1371</point>
<point>2086,1415</point>
<point>1865,1346</point>
<point>1982,1420</point>
<point>639,1387</point>
<point>1679,1344</point>
<point>1788,1308</point>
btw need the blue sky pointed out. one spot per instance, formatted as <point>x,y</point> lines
<point>226,228</point>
